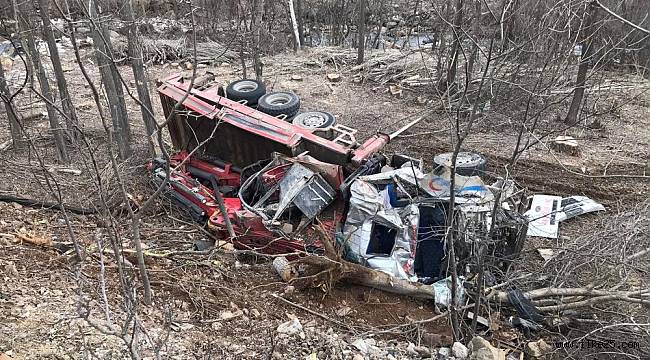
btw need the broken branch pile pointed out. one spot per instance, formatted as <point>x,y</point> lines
<point>407,69</point>
<point>412,68</point>
<point>160,51</point>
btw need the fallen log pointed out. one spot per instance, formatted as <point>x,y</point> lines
<point>325,271</point>
<point>46,205</point>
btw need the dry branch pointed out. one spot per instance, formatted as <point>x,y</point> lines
<point>577,297</point>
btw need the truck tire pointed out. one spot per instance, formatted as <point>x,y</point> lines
<point>467,164</point>
<point>314,120</point>
<point>279,103</point>
<point>246,89</point>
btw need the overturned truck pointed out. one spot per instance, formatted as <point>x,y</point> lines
<point>263,176</point>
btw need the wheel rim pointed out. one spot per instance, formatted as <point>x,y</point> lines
<point>278,99</point>
<point>245,86</point>
<point>463,159</point>
<point>314,121</point>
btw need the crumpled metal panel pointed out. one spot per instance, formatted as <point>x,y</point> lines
<point>306,189</point>
<point>366,209</point>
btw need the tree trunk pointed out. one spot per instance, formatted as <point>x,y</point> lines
<point>442,49</point>
<point>115,75</point>
<point>453,56</point>
<point>475,30</point>
<point>258,8</point>
<point>14,127</point>
<point>361,30</point>
<point>300,21</point>
<point>141,79</point>
<point>585,44</point>
<point>294,24</point>
<point>507,22</point>
<point>57,130</point>
<point>66,102</point>
<point>242,57</point>
<point>113,96</point>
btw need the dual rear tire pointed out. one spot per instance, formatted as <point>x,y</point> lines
<point>286,103</point>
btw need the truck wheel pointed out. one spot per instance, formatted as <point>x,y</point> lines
<point>314,120</point>
<point>246,89</point>
<point>279,103</point>
<point>467,164</point>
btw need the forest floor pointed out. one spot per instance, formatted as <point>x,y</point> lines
<point>194,296</point>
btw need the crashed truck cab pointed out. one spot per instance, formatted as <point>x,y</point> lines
<point>279,183</point>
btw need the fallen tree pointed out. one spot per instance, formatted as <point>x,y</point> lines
<point>325,271</point>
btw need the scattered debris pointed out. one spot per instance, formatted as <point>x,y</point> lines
<point>6,63</point>
<point>175,326</point>
<point>395,90</point>
<point>546,212</point>
<point>281,266</point>
<point>444,353</point>
<point>546,254</point>
<point>443,292</point>
<point>542,216</point>
<point>479,319</point>
<point>577,205</point>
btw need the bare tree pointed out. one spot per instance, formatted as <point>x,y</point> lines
<point>585,57</point>
<point>452,63</point>
<point>361,30</point>
<point>294,25</point>
<point>61,83</point>
<point>112,84</point>
<point>257,11</point>
<point>141,79</point>
<point>14,127</point>
<point>57,130</point>
<point>300,22</point>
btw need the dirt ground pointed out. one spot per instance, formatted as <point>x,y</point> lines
<point>41,297</point>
